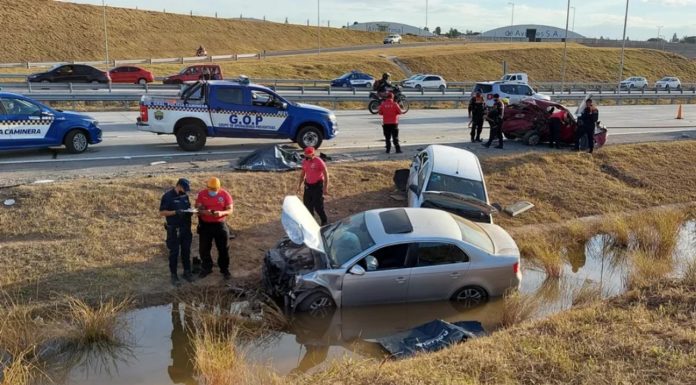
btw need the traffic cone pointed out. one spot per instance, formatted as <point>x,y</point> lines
<point>679,112</point>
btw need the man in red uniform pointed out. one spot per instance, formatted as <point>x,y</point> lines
<point>390,112</point>
<point>214,205</point>
<point>315,177</point>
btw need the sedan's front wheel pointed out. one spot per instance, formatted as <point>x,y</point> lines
<point>76,141</point>
<point>317,304</point>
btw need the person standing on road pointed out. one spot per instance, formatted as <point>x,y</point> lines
<point>315,177</point>
<point>175,207</point>
<point>390,112</point>
<point>477,108</point>
<point>214,205</point>
<point>495,119</point>
<point>555,122</point>
<point>588,119</point>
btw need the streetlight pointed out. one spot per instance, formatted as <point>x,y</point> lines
<point>659,27</point>
<point>573,27</point>
<point>512,19</point>
<point>426,20</point>
<point>106,36</point>
<point>623,44</point>
<point>565,48</point>
<point>318,27</point>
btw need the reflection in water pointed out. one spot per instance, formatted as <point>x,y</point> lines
<point>181,371</point>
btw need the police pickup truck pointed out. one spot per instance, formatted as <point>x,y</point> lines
<point>234,109</point>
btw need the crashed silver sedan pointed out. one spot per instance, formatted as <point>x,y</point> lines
<point>388,256</point>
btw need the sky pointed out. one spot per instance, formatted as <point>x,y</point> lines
<point>592,18</point>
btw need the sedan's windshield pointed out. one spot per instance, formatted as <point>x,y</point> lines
<point>468,187</point>
<point>345,239</point>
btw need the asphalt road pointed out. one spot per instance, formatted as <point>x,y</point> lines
<point>126,148</point>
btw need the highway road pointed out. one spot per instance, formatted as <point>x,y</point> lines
<point>124,147</point>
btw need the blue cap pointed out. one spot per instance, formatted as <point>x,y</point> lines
<point>184,183</point>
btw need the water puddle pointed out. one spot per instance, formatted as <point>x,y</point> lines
<point>161,351</point>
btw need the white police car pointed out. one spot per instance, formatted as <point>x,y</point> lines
<point>26,123</point>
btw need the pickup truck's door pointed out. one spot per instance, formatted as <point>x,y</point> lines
<point>245,112</point>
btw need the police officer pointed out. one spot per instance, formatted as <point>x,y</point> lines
<point>214,205</point>
<point>589,118</point>
<point>477,106</point>
<point>175,207</point>
<point>495,119</point>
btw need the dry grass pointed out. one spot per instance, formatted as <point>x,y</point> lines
<point>518,307</point>
<point>19,371</point>
<point>99,324</point>
<point>41,28</point>
<point>544,251</point>
<point>588,293</point>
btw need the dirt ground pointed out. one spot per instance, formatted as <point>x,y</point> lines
<point>93,237</point>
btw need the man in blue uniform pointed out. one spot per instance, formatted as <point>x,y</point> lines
<point>176,209</point>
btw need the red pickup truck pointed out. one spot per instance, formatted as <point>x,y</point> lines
<point>195,73</point>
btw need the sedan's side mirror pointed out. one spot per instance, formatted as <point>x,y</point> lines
<point>413,188</point>
<point>284,106</point>
<point>357,270</point>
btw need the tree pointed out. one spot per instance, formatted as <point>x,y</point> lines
<point>426,29</point>
<point>355,23</point>
<point>453,33</point>
<point>437,31</point>
<point>675,39</point>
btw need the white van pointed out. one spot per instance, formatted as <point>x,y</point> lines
<point>519,77</point>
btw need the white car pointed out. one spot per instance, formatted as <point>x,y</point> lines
<point>450,179</point>
<point>426,81</point>
<point>393,39</point>
<point>668,82</point>
<point>634,82</point>
<point>514,92</point>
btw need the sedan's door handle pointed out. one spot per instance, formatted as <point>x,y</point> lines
<point>400,280</point>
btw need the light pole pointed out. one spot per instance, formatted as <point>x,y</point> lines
<point>512,19</point>
<point>106,36</point>
<point>573,27</point>
<point>565,48</point>
<point>318,26</point>
<point>623,45</point>
<point>426,20</point>
<point>659,28</point>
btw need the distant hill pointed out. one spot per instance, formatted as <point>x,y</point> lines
<point>47,30</point>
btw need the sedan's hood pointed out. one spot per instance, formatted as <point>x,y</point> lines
<point>300,225</point>
<point>458,201</point>
<point>502,241</point>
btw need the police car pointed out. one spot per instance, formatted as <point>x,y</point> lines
<point>234,109</point>
<point>25,123</point>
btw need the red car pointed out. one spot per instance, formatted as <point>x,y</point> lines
<point>529,120</point>
<point>130,74</point>
<point>194,73</point>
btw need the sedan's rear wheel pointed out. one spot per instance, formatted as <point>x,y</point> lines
<point>142,81</point>
<point>531,138</point>
<point>470,296</point>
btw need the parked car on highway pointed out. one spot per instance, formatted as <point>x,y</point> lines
<point>219,108</point>
<point>131,74</point>
<point>353,79</point>
<point>393,38</point>
<point>449,179</point>
<point>26,123</point>
<point>70,73</point>
<point>528,120</point>
<point>195,73</point>
<point>426,81</point>
<point>634,82</point>
<point>515,92</point>
<point>668,82</point>
<point>388,255</point>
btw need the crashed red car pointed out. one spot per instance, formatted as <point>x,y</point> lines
<point>529,120</point>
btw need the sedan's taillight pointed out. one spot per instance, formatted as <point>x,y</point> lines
<point>516,268</point>
<point>143,113</point>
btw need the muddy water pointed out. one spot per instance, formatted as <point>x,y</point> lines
<point>161,352</point>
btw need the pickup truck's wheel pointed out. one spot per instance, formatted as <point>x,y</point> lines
<point>76,141</point>
<point>191,137</point>
<point>309,136</point>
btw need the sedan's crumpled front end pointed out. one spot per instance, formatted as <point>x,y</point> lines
<point>284,263</point>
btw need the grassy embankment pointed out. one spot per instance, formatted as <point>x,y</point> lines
<point>103,238</point>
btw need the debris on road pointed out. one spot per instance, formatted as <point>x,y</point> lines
<point>158,163</point>
<point>43,181</point>
<point>271,158</point>
<point>9,202</point>
<point>518,208</point>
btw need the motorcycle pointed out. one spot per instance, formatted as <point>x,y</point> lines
<point>399,98</point>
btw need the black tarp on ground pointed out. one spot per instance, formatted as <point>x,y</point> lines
<point>271,158</point>
<point>401,178</point>
<point>430,337</point>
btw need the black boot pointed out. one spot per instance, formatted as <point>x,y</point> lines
<point>175,280</point>
<point>398,149</point>
<point>188,276</point>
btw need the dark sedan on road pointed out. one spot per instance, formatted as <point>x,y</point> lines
<point>70,73</point>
